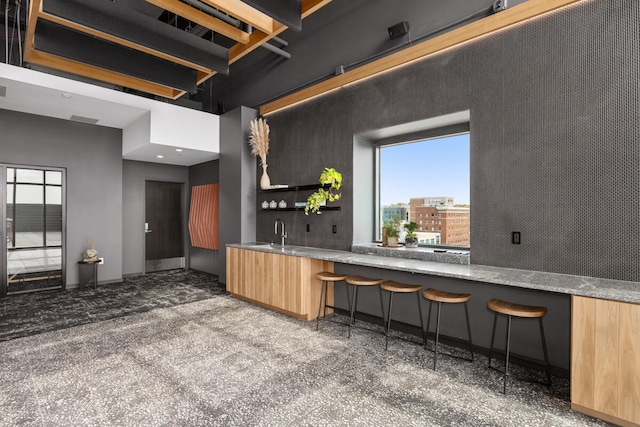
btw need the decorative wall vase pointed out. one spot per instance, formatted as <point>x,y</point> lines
<point>265,182</point>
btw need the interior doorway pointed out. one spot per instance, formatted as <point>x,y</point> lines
<point>164,243</point>
<point>33,219</point>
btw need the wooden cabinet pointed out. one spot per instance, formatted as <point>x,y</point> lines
<point>281,282</point>
<point>605,359</point>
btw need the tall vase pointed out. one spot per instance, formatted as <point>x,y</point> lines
<point>265,182</point>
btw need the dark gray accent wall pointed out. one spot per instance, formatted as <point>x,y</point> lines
<point>554,131</point>
<point>92,157</point>
<point>134,176</point>
<point>343,32</point>
<point>199,258</point>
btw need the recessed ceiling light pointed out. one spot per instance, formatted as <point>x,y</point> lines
<point>160,156</point>
<point>66,95</point>
<point>179,150</point>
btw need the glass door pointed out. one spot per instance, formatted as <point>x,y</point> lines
<point>34,217</point>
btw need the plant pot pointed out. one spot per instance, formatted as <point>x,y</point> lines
<point>392,242</point>
<point>410,242</point>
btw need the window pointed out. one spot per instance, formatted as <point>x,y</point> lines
<point>431,175</point>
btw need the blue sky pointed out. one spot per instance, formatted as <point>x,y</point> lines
<point>432,168</point>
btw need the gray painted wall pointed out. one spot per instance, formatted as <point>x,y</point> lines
<point>199,258</point>
<point>92,156</point>
<point>554,129</point>
<point>134,176</point>
<point>237,183</point>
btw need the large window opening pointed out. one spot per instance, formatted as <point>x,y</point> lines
<point>427,182</point>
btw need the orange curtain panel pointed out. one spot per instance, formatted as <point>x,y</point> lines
<point>203,216</point>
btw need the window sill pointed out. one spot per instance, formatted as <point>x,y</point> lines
<point>451,256</point>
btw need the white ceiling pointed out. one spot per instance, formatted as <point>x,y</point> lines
<point>34,92</point>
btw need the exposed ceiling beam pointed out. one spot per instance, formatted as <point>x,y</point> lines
<point>194,15</point>
<point>243,12</point>
<point>137,31</point>
<point>81,69</point>
<point>286,12</point>
<point>62,41</point>
<point>258,37</point>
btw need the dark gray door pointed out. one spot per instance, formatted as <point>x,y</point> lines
<point>164,245</point>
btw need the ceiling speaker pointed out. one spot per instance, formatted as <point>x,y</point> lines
<point>398,30</point>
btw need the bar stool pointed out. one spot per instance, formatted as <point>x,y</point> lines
<point>435,295</point>
<point>356,282</point>
<point>510,309</point>
<point>326,277</point>
<point>393,288</point>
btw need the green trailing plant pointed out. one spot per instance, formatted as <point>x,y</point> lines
<point>331,181</point>
<point>411,229</point>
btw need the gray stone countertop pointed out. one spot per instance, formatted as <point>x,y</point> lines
<point>616,290</point>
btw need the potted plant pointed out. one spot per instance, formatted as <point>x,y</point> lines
<point>331,181</point>
<point>411,239</point>
<point>391,232</point>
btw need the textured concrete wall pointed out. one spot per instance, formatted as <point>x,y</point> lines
<point>554,130</point>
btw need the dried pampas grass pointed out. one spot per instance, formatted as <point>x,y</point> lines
<point>259,139</point>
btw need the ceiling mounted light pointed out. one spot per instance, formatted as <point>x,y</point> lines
<point>66,95</point>
<point>179,150</point>
<point>160,156</point>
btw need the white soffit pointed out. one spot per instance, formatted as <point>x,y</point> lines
<point>418,126</point>
<point>171,126</point>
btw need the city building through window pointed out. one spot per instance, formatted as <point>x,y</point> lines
<point>428,178</point>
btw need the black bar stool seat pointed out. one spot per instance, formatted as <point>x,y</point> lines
<point>435,295</point>
<point>326,277</point>
<point>511,309</point>
<point>399,288</point>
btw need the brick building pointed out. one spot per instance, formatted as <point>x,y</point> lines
<point>440,215</point>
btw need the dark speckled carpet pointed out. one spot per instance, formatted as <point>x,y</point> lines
<point>28,314</point>
<point>186,354</point>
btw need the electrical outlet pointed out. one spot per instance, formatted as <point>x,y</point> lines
<point>515,237</point>
<point>308,228</point>
<point>334,229</point>
<point>101,260</point>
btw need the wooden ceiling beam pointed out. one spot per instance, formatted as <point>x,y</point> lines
<point>244,13</point>
<point>81,69</point>
<point>258,38</point>
<point>201,18</point>
<point>120,41</point>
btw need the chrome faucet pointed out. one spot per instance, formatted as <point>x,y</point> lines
<point>283,233</point>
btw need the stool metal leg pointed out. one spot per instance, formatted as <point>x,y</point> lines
<point>386,338</point>
<point>421,321</point>
<point>353,308</point>
<point>546,356</point>
<point>435,349</point>
<point>506,362</point>
<point>426,335</point>
<point>320,305</point>
<point>493,335</point>
<point>382,305</point>
<point>466,312</point>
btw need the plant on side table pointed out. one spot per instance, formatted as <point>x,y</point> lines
<point>411,239</point>
<point>333,179</point>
